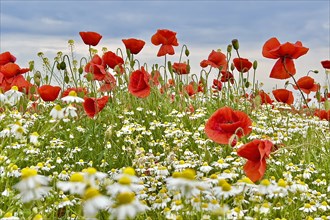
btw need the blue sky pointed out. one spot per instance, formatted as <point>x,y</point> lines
<point>28,27</point>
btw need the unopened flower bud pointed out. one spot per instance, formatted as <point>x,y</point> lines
<point>232,67</point>
<point>327,105</point>
<point>316,71</point>
<point>89,77</point>
<point>80,70</point>
<point>37,81</point>
<point>62,65</point>
<point>187,52</point>
<point>229,48</point>
<point>235,44</point>
<point>255,65</point>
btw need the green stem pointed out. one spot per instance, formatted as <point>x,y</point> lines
<point>294,80</point>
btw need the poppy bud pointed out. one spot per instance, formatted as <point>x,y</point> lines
<point>232,67</point>
<point>327,105</point>
<point>80,70</point>
<point>255,65</point>
<point>31,65</point>
<point>71,42</point>
<point>37,74</point>
<point>62,65</point>
<point>187,52</point>
<point>235,44</point>
<point>247,84</point>
<point>37,81</point>
<point>229,48</point>
<point>58,66</point>
<point>316,71</point>
<point>89,77</point>
<point>318,96</point>
<point>66,78</point>
<point>170,67</point>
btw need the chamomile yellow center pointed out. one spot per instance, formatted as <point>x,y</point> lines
<point>129,171</point>
<point>125,198</point>
<point>15,88</point>
<point>72,93</point>
<point>28,172</point>
<point>188,174</point>
<point>124,180</point>
<point>76,177</point>
<point>58,108</point>
<point>91,170</point>
<point>91,193</point>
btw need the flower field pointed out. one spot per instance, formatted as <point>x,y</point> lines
<point>107,137</point>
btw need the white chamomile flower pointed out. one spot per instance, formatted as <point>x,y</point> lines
<point>225,190</point>
<point>76,184</point>
<point>34,138</point>
<point>57,112</point>
<point>93,177</point>
<point>9,216</point>
<point>70,111</point>
<point>126,206</point>
<point>13,95</point>
<point>186,183</point>
<point>308,208</point>
<point>72,97</point>
<point>17,130</point>
<point>32,186</point>
<point>94,201</point>
<point>205,168</point>
<point>3,98</point>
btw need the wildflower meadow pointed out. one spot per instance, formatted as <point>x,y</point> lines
<point>106,137</point>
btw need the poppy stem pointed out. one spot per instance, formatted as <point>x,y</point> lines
<point>294,80</point>
<point>184,46</point>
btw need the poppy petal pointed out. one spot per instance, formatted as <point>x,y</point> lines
<point>279,71</point>
<point>269,47</point>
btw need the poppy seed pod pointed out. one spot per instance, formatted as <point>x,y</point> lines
<point>235,44</point>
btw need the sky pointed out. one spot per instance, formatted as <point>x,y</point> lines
<point>28,27</point>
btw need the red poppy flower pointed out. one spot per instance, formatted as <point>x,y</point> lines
<point>181,68</point>
<point>90,38</point>
<point>217,85</point>
<point>111,59</point>
<point>322,114</point>
<point>167,39</point>
<point>283,95</point>
<point>242,65</point>
<point>109,83</point>
<point>285,53</point>
<point>307,84</point>
<point>139,83</point>
<point>325,64</point>
<point>225,122</point>
<point>12,69</point>
<point>48,92</point>
<point>6,57</point>
<point>155,75</point>
<point>227,76</point>
<point>96,68</point>
<point>256,153</point>
<point>265,98</point>
<point>92,106</point>
<point>189,89</point>
<point>134,45</point>
<point>18,80</point>
<point>216,60</point>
